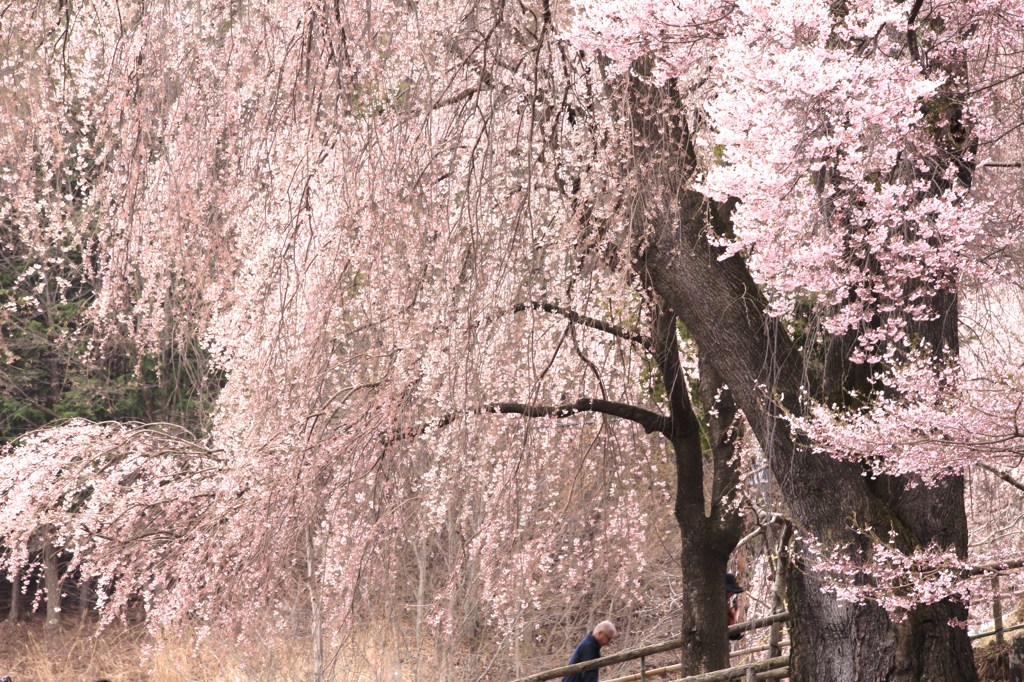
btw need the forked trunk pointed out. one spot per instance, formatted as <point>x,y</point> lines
<point>709,527</point>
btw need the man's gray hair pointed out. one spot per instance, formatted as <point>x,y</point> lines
<point>606,626</point>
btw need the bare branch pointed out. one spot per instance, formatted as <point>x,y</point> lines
<point>985,569</point>
<point>1003,475</point>
<point>586,321</point>
<point>651,421</point>
<point>460,96</point>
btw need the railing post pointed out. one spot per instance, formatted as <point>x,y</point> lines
<point>775,632</point>
<point>643,669</point>
<point>751,676</point>
<point>779,594</point>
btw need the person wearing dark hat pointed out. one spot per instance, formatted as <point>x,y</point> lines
<point>732,587</point>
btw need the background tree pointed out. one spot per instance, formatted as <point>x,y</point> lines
<point>343,207</point>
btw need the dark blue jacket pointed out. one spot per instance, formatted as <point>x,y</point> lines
<point>587,650</point>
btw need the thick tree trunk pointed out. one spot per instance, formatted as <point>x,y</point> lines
<point>847,643</point>
<point>706,546</point>
<point>1015,660</point>
<point>704,628</point>
<point>724,311</point>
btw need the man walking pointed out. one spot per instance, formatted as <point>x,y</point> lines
<point>589,648</point>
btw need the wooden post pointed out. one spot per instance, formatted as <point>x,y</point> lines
<point>997,610</point>
<point>779,593</point>
<point>775,632</point>
<point>643,669</point>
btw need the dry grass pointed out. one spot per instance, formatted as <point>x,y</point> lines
<point>992,662</point>
<point>29,651</point>
<point>77,653</point>
<point>992,657</point>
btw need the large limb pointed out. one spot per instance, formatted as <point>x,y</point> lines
<point>724,431</point>
<point>726,313</point>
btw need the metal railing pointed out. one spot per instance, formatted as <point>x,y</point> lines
<point>645,675</point>
<point>772,668</point>
<point>643,652</point>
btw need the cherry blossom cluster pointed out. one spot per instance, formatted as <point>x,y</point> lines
<point>814,121</point>
<point>899,581</point>
<point>334,240</point>
<point>346,207</point>
<point>926,422</point>
<point>865,196</point>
